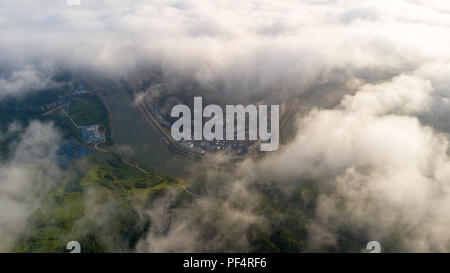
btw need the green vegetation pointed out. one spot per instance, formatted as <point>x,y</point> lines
<point>100,209</point>
<point>100,206</point>
<point>90,110</point>
<point>25,109</point>
<point>114,192</point>
<point>87,110</point>
<point>66,127</point>
<point>288,218</point>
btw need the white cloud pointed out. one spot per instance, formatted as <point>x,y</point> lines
<point>380,168</point>
<point>388,167</point>
<point>251,46</point>
<point>26,178</point>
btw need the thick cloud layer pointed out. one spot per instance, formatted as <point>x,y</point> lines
<point>381,156</point>
<point>26,178</point>
<point>208,224</point>
<point>251,46</point>
<point>378,167</point>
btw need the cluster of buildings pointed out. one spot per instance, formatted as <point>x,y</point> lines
<point>92,134</point>
<point>189,145</point>
<point>71,151</point>
<point>160,111</point>
<point>205,146</point>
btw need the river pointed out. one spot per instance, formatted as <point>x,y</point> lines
<point>134,136</point>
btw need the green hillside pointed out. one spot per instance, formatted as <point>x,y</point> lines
<point>97,209</point>
<point>90,110</point>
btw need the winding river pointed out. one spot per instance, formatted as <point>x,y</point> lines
<point>135,137</point>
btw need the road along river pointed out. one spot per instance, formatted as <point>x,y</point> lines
<point>133,136</point>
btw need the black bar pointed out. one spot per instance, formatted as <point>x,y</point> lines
<point>226,262</point>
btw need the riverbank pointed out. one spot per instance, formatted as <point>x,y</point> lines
<point>134,137</point>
